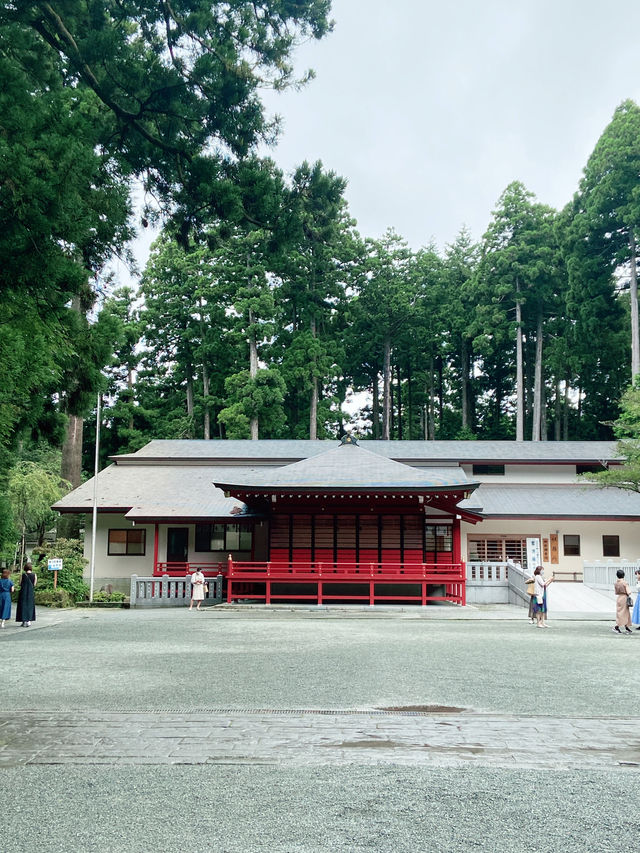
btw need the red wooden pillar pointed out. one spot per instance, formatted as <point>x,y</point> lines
<point>155,548</point>
<point>457,545</point>
<point>457,558</point>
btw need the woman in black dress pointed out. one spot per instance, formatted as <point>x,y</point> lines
<point>26,609</point>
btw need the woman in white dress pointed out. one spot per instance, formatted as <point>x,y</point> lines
<point>197,589</point>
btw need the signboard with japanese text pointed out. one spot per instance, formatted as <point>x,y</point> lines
<point>533,553</point>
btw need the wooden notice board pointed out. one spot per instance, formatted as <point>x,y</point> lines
<point>553,545</point>
<point>545,550</point>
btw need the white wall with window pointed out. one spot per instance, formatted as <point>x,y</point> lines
<point>578,541</point>
<point>122,550</point>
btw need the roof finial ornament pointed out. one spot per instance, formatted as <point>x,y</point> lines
<point>347,438</point>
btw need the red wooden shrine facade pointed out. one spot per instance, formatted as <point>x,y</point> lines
<point>371,537</point>
<point>347,525</point>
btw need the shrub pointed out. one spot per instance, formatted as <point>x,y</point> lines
<point>70,576</point>
<point>53,597</point>
<point>109,596</point>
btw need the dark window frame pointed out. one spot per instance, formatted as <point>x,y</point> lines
<point>590,469</point>
<point>127,531</point>
<point>440,536</point>
<point>483,470</point>
<point>571,550</point>
<point>610,545</point>
<point>209,525</point>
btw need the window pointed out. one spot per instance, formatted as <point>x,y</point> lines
<point>488,469</point>
<point>223,537</point>
<point>127,543</point>
<point>610,546</point>
<point>439,538</point>
<point>497,549</point>
<point>571,545</point>
<point>590,469</point>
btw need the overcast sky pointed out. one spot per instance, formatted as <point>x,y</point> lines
<point>429,109</point>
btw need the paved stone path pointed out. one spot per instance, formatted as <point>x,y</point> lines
<point>306,738</point>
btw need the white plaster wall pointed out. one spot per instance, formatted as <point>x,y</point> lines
<point>540,474</point>
<point>590,533</point>
<point>110,569</point>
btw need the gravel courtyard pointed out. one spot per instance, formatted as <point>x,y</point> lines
<point>311,731</point>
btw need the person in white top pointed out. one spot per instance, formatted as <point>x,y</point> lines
<point>197,589</point>
<point>540,604</point>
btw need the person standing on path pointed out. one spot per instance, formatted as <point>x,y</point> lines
<point>540,605</point>
<point>6,588</point>
<point>635,616</point>
<point>197,589</point>
<point>26,609</point>
<point>622,591</point>
<point>531,592</point>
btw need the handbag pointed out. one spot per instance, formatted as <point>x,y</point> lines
<point>629,601</point>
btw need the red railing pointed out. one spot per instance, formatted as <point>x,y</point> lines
<point>242,579</point>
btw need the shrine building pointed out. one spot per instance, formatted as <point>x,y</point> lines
<point>348,521</point>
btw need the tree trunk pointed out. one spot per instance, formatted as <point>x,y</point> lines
<point>431,407</point>
<point>565,413</point>
<point>557,420</point>
<point>536,430</point>
<point>72,451</point>
<point>386,391</point>
<point>68,526</point>
<point>519,371</point>
<point>543,415</point>
<point>375,407</point>
<point>205,392</point>
<point>464,382</point>
<point>190,406</point>
<point>254,424</point>
<point>409,402</point>
<point>635,331</point>
<point>313,404</point>
<point>440,390</point>
<point>130,388</point>
<point>399,402</point>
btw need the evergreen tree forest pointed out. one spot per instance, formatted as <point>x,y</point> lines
<point>262,311</point>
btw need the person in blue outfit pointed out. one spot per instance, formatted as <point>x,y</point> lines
<point>635,616</point>
<point>26,609</point>
<point>6,588</point>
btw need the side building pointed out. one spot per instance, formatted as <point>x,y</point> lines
<point>276,514</point>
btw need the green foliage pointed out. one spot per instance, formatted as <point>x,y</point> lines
<point>73,564</point>
<point>53,597</point>
<point>258,397</point>
<point>32,490</point>
<point>109,597</point>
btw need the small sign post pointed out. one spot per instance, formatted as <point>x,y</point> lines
<point>54,564</point>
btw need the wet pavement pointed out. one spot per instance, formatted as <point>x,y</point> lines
<point>302,737</point>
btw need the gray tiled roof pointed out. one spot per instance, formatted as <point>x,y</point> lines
<point>347,467</point>
<point>156,491</point>
<point>423,452</point>
<point>549,501</point>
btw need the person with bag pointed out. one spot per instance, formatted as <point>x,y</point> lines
<point>540,596</point>
<point>623,603</point>
<point>531,592</point>
<point>6,588</point>
<point>197,589</point>
<point>26,609</point>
